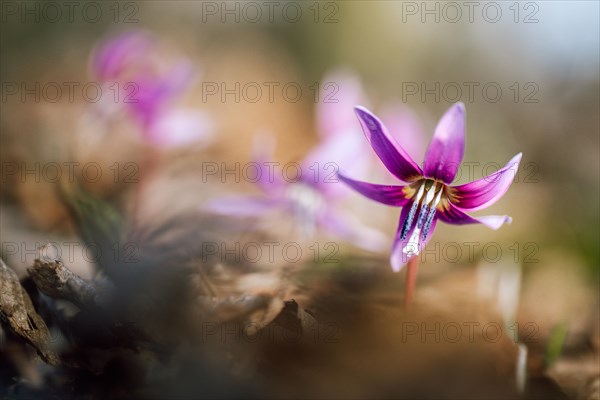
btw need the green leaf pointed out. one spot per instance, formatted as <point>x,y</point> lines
<point>556,343</point>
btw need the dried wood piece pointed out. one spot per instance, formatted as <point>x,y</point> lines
<point>54,279</point>
<point>18,315</point>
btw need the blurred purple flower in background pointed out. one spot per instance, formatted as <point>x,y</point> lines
<point>147,83</point>
<point>427,196</point>
<point>314,198</point>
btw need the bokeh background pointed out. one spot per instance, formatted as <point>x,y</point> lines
<point>543,55</point>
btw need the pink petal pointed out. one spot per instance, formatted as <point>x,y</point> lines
<point>455,216</point>
<point>112,57</point>
<point>486,191</point>
<point>134,61</point>
<point>387,194</point>
<point>393,156</point>
<point>150,95</point>
<point>446,150</point>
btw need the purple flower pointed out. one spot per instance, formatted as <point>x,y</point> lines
<point>314,199</point>
<point>148,82</point>
<point>427,195</point>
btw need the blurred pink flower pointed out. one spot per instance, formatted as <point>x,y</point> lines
<point>314,200</point>
<point>148,83</point>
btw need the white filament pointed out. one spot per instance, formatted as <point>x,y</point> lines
<point>420,193</point>
<point>412,247</point>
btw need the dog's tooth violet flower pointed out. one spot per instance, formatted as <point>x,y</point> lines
<point>427,195</point>
<point>149,82</point>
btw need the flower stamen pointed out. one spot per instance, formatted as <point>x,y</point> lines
<point>431,214</point>
<point>411,214</point>
<point>412,247</point>
<point>425,205</point>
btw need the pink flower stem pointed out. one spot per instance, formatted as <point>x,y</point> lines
<point>412,268</point>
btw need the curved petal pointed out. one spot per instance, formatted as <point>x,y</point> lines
<point>240,206</point>
<point>393,156</point>
<point>387,194</point>
<point>403,250</point>
<point>486,191</point>
<point>447,147</point>
<point>455,216</point>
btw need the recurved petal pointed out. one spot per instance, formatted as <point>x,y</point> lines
<point>403,250</point>
<point>391,195</point>
<point>447,147</point>
<point>456,216</point>
<point>486,191</point>
<point>393,156</point>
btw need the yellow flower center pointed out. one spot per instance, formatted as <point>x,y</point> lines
<point>427,196</point>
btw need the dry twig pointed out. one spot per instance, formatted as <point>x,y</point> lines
<point>18,315</point>
<point>54,279</point>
